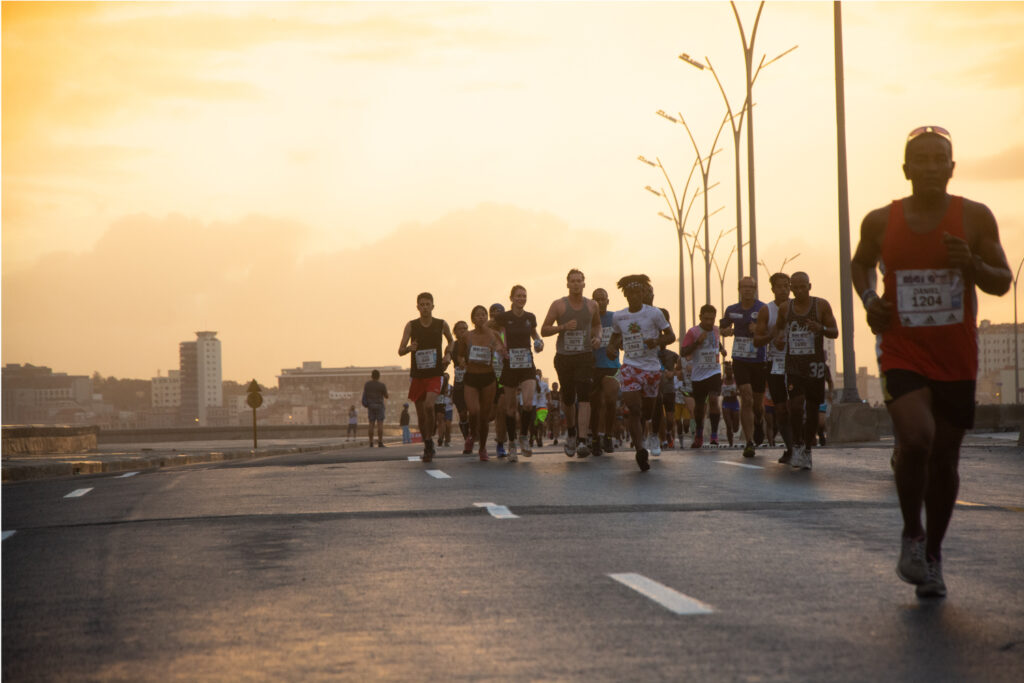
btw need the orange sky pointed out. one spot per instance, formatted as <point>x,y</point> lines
<point>291,175</point>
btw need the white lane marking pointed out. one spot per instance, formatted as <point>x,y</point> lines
<point>437,474</point>
<point>78,493</point>
<point>414,458</point>
<point>126,475</point>
<point>7,534</point>
<point>670,599</point>
<point>497,511</point>
<point>970,505</point>
<point>739,464</point>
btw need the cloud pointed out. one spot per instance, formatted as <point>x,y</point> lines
<point>149,283</point>
<point>1006,165</point>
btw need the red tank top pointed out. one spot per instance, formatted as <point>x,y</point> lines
<point>934,330</point>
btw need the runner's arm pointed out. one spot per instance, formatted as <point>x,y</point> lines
<point>403,347</point>
<point>549,327</point>
<point>762,335</point>
<point>988,263</point>
<point>863,271</point>
<point>830,328</point>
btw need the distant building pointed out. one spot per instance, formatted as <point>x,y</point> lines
<point>166,391</point>
<point>996,362</point>
<point>313,394</point>
<point>37,395</point>
<point>202,395</point>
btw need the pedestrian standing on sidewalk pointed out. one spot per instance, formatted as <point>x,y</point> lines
<point>374,395</point>
<point>403,422</point>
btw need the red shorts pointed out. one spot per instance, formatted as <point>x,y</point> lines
<point>632,378</point>
<point>421,386</point>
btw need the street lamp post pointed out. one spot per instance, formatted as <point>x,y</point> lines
<point>1016,348</point>
<point>675,205</point>
<point>849,393</point>
<point>705,171</point>
<point>736,125</point>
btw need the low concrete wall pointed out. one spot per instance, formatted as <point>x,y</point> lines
<point>38,440</point>
<point>108,436</point>
<point>858,422</point>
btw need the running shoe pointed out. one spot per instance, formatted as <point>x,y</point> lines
<point>483,453</point>
<point>512,457</point>
<point>758,434</point>
<point>595,445</point>
<point>512,447</point>
<point>933,585</point>
<point>787,456</point>
<point>714,442</point>
<point>641,460</point>
<point>468,448</point>
<point>805,464</point>
<point>582,450</point>
<point>607,446</point>
<point>796,461</point>
<point>540,443</point>
<point>748,451</point>
<point>526,446</point>
<point>381,444</point>
<point>428,451</point>
<point>654,445</point>
<point>500,450</point>
<point>570,446</point>
<point>912,566</point>
<point>698,441</point>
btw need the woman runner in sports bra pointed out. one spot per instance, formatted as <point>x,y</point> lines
<point>474,354</point>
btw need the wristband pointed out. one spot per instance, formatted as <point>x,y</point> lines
<point>868,296</point>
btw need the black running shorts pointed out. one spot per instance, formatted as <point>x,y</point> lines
<point>951,401</point>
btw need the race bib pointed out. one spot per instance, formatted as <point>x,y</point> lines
<point>928,298</point>
<point>606,336</point>
<point>479,354</point>
<point>520,358</point>
<point>779,365</point>
<point>426,358</point>
<point>633,344</point>
<point>743,347</point>
<point>460,373</point>
<point>800,342</point>
<point>572,340</point>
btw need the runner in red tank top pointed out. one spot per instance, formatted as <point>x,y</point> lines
<point>934,249</point>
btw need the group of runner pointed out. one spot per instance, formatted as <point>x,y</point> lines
<point>933,250</point>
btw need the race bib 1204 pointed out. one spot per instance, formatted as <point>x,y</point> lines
<point>927,298</point>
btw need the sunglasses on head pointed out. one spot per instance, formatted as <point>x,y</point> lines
<point>930,130</point>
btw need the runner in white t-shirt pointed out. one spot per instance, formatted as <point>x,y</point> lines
<point>640,331</point>
<point>703,346</point>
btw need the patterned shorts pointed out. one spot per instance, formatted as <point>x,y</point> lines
<point>632,378</point>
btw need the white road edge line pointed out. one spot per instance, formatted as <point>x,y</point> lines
<point>437,474</point>
<point>739,464</point>
<point>670,599</point>
<point>126,475</point>
<point>497,511</point>
<point>78,493</point>
<point>7,534</point>
<point>414,458</point>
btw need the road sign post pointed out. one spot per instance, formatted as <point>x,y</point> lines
<point>255,400</point>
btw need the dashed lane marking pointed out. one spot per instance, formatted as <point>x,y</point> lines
<point>740,464</point>
<point>414,458</point>
<point>126,475</point>
<point>437,474</point>
<point>7,534</point>
<point>497,511</point>
<point>78,493</point>
<point>670,599</point>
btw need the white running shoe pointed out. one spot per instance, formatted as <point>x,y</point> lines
<point>570,446</point>
<point>654,445</point>
<point>525,446</point>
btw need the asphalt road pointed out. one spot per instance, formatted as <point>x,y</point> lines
<point>361,565</point>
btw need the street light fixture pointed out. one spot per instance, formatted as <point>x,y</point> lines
<point>679,216</point>
<point>736,125</point>
<point>786,260</point>
<point>705,170</point>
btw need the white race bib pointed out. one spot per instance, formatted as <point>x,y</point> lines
<point>479,354</point>
<point>520,358</point>
<point>460,373</point>
<point>928,298</point>
<point>800,342</point>
<point>572,340</point>
<point>779,365</point>
<point>606,336</point>
<point>633,344</point>
<point>426,358</point>
<point>743,347</point>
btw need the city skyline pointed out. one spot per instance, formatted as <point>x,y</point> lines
<point>292,175</point>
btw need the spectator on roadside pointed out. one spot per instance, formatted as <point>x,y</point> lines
<point>403,422</point>
<point>374,395</point>
<point>353,420</point>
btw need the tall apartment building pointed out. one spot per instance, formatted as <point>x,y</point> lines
<point>996,362</point>
<point>200,373</point>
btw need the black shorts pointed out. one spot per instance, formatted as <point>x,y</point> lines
<point>811,388</point>
<point>777,388</point>
<point>575,377</point>
<point>514,377</point>
<point>754,374</point>
<point>478,380</point>
<point>951,401</point>
<point>712,386</point>
<point>601,373</point>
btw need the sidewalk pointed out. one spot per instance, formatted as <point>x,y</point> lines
<point>141,456</point>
